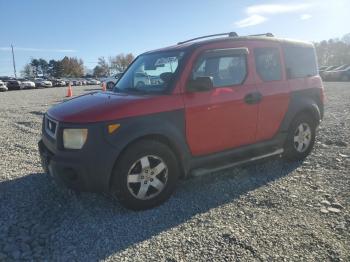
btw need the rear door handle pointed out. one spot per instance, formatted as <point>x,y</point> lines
<point>253,98</point>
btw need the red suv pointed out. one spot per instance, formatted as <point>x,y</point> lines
<point>199,106</point>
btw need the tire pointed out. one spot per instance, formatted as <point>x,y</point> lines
<point>110,85</point>
<point>158,167</point>
<point>301,138</point>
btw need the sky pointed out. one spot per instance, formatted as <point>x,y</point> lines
<point>88,29</point>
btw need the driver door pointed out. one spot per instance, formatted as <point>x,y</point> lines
<point>224,117</point>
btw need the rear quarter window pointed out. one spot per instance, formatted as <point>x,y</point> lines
<point>300,61</point>
<point>268,63</point>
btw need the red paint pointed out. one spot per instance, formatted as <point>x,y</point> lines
<point>274,104</point>
<point>104,106</point>
<point>219,119</point>
<point>216,120</point>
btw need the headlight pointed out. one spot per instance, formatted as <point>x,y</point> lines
<point>74,138</point>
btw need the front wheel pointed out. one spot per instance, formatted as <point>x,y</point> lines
<point>145,175</point>
<point>301,138</point>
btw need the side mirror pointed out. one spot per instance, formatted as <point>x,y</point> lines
<point>200,84</point>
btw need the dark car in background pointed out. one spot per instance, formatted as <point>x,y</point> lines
<point>322,70</point>
<point>340,73</point>
<point>14,84</point>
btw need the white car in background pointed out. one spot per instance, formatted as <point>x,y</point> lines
<point>40,82</point>
<point>93,82</point>
<point>27,84</point>
<point>110,81</point>
<point>3,87</point>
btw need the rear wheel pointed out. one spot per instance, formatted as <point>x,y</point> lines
<point>301,138</point>
<point>145,175</point>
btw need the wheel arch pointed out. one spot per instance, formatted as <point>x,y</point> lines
<point>159,138</point>
<point>168,129</point>
<point>301,105</point>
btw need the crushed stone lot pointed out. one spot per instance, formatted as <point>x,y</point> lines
<point>270,211</point>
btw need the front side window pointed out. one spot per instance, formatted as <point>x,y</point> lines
<point>225,70</point>
<point>268,64</point>
<point>151,73</point>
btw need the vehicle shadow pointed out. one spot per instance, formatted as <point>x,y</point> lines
<point>61,225</point>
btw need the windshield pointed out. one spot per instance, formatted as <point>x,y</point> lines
<point>150,73</point>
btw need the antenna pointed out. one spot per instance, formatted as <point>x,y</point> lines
<point>13,62</point>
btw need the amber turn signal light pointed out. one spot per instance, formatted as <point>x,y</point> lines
<point>112,128</point>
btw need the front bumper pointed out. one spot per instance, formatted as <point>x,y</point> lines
<point>88,169</point>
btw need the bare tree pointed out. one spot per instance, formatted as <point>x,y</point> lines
<point>120,62</point>
<point>28,71</point>
<point>103,67</point>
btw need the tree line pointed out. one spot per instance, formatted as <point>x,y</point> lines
<point>74,67</point>
<point>115,64</point>
<point>334,51</point>
<point>67,67</point>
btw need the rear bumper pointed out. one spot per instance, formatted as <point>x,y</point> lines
<point>88,169</point>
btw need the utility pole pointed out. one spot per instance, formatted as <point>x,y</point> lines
<point>13,62</point>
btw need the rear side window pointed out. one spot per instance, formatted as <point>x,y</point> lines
<point>268,64</point>
<point>226,70</point>
<point>300,61</point>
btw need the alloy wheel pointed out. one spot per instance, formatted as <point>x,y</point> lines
<point>302,137</point>
<point>147,177</point>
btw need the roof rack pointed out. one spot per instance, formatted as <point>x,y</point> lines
<point>265,34</point>
<point>229,34</point>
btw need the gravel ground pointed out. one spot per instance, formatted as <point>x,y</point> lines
<point>271,211</point>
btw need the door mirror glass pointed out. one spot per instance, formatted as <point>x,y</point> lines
<point>202,83</point>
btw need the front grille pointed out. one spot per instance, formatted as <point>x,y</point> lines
<point>51,126</point>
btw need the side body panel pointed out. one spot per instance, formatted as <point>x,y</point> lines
<point>219,119</point>
<point>275,98</point>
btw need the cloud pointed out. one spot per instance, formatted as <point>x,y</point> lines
<point>251,20</point>
<point>305,16</point>
<point>271,9</point>
<point>257,14</point>
<point>29,49</point>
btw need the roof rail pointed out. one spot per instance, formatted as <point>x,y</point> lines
<point>265,34</point>
<point>229,34</point>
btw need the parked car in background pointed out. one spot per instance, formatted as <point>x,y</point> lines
<point>213,104</point>
<point>14,84</point>
<point>3,87</point>
<point>58,82</point>
<point>93,82</point>
<point>322,71</point>
<point>5,79</point>
<point>110,81</point>
<point>340,73</point>
<point>76,82</point>
<point>27,84</point>
<point>41,82</point>
<point>336,73</point>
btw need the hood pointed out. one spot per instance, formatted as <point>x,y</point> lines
<point>107,106</point>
